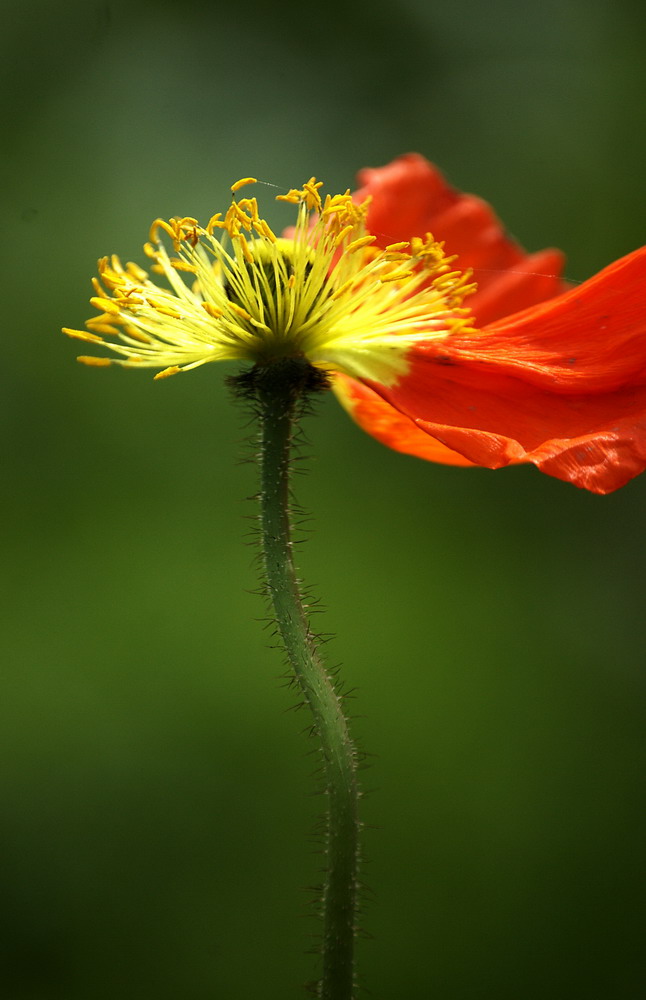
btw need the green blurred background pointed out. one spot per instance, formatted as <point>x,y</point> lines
<point>157,813</point>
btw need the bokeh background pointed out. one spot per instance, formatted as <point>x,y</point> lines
<point>157,807</point>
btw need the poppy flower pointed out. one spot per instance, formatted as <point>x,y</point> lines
<point>442,337</point>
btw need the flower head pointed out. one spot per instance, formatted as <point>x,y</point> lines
<point>326,294</point>
<point>512,367</point>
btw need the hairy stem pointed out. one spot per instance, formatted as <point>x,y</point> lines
<point>279,390</point>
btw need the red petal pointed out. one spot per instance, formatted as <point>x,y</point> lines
<point>562,384</point>
<point>388,425</point>
<point>532,280</point>
<point>591,338</point>
<point>410,198</point>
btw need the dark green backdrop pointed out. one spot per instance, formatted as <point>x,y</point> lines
<point>157,813</point>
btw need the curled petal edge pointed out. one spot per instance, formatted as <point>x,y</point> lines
<point>561,385</point>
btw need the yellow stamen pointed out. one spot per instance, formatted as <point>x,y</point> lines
<point>311,194</point>
<point>160,224</point>
<point>105,305</point>
<point>342,289</point>
<point>394,255</point>
<point>327,293</point>
<point>166,310</point>
<point>292,197</point>
<point>181,265</point>
<point>396,276</point>
<point>363,241</point>
<point>266,231</point>
<point>244,246</point>
<point>345,232</point>
<point>239,311</point>
<point>94,362</point>
<point>106,328</point>
<point>136,272</point>
<point>212,310</point>
<point>136,334</point>
<point>91,338</point>
<point>243,183</point>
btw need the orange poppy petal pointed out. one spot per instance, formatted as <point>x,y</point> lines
<point>531,281</point>
<point>562,385</point>
<point>378,418</point>
<point>591,338</point>
<point>410,197</point>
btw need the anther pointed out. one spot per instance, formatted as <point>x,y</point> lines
<point>243,183</point>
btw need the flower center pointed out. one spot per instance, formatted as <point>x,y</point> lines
<point>262,286</point>
<point>326,292</point>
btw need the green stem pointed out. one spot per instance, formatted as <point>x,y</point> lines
<point>279,391</point>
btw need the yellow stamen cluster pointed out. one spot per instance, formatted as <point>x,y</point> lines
<point>327,293</point>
